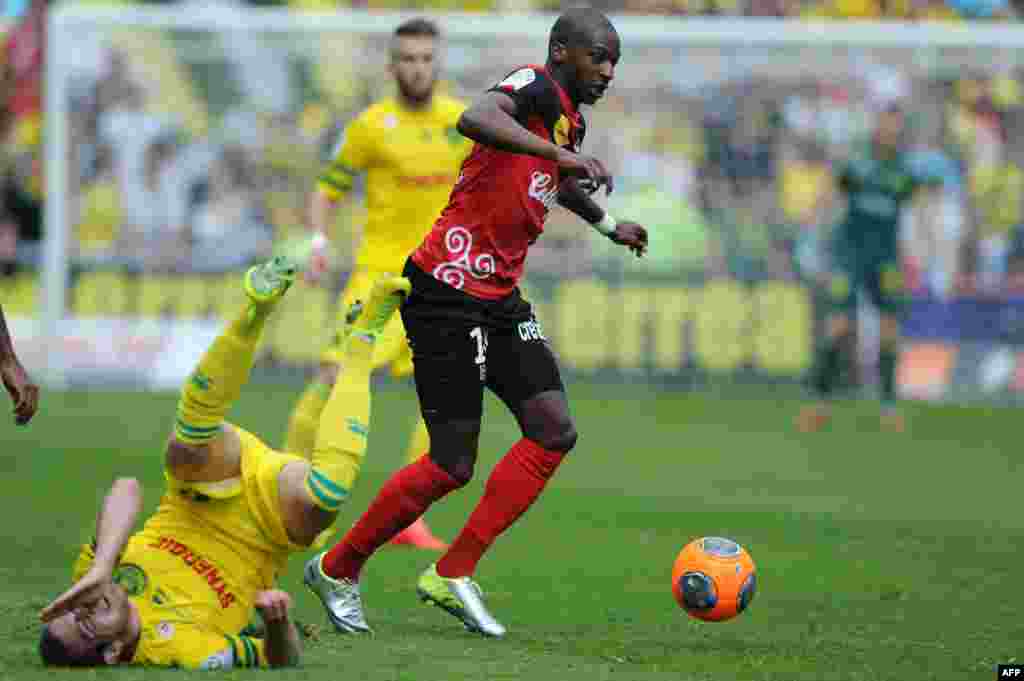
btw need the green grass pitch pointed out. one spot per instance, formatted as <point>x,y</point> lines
<point>879,556</point>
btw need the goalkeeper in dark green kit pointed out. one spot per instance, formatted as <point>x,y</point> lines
<point>878,181</point>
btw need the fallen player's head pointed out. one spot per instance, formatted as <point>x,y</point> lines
<point>105,635</point>
<point>585,45</point>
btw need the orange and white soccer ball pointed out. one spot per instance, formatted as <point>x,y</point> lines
<point>714,579</point>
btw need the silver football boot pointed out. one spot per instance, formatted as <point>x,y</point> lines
<point>340,597</point>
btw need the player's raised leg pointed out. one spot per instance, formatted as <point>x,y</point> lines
<point>345,420</point>
<point>305,418</point>
<point>222,371</point>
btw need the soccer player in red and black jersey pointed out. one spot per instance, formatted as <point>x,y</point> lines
<point>469,327</point>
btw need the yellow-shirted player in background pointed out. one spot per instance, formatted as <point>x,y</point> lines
<point>411,152</point>
<point>178,592</point>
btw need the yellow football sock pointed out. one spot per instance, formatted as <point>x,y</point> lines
<point>218,379</point>
<point>419,444</point>
<point>305,420</point>
<point>344,428</point>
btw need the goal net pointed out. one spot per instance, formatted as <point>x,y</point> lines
<point>181,145</point>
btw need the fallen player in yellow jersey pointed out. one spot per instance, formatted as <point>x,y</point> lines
<point>178,592</point>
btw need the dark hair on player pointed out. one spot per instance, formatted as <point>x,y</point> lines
<point>420,27</point>
<point>578,27</point>
<point>55,654</point>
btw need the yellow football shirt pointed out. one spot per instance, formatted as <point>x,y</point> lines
<point>194,588</point>
<point>411,159</point>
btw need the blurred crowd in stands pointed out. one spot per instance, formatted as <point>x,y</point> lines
<point>204,162</point>
<point>904,10</point>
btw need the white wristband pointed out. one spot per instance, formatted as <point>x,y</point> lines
<point>606,225</point>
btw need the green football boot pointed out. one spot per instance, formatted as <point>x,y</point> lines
<point>460,597</point>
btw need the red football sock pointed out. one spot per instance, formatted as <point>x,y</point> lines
<point>514,485</point>
<point>402,499</point>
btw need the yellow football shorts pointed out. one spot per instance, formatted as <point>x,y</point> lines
<point>392,347</point>
<point>237,522</point>
<point>246,510</point>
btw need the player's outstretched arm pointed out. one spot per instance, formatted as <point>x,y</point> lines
<point>24,393</point>
<point>322,208</point>
<point>116,520</point>
<point>283,643</point>
<point>625,233</point>
<point>575,198</point>
<point>491,121</point>
<point>354,154</point>
<point>114,526</point>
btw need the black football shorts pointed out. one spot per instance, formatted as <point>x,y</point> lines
<point>460,344</point>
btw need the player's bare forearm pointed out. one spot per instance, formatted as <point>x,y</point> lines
<point>116,521</point>
<point>113,527</point>
<point>322,207</point>
<point>573,197</point>
<point>491,122</point>
<point>6,346</point>
<point>24,393</point>
<point>284,645</point>
<point>626,232</point>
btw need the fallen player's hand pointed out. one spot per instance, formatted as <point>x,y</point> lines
<point>24,393</point>
<point>631,235</point>
<point>273,605</point>
<point>83,595</point>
